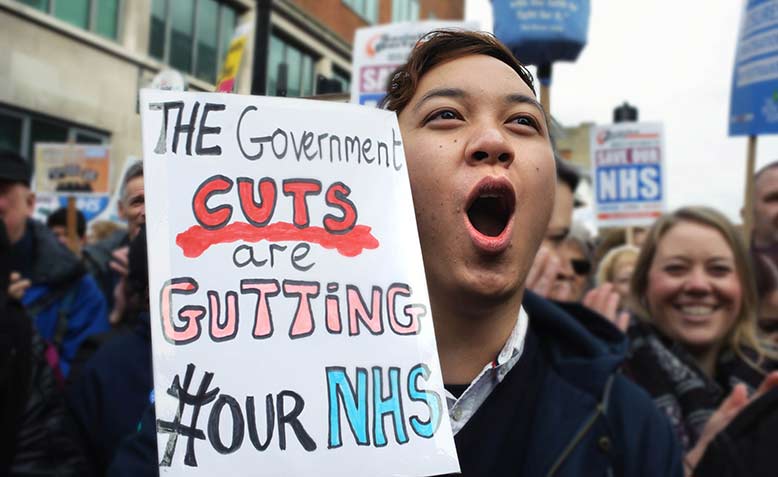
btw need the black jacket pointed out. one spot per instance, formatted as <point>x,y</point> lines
<point>108,398</point>
<point>745,448</point>
<point>97,258</point>
<point>37,435</point>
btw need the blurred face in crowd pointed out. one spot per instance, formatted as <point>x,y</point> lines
<point>573,273</point>
<point>766,208</point>
<point>622,274</point>
<point>639,236</point>
<point>481,168</point>
<point>561,217</point>
<point>133,206</point>
<point>694,293</point>
<point>17,202</point>
<point>61,233</point>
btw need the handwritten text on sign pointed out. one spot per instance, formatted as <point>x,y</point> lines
<point>292,312</point>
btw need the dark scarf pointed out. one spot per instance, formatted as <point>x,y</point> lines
<point>677,385</point>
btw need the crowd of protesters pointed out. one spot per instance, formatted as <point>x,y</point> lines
<point>562,354</point>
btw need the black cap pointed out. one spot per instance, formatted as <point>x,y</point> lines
<point>14,168</point>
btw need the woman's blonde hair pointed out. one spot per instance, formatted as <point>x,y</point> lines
<point>743,335</point>
<point>607,266</point>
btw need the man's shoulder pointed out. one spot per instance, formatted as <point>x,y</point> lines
<point>53,263</point>
<point>582,347</point>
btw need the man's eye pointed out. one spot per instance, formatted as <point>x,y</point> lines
<point>445,114</point>
<point>557,239</point>
<point>525,121</point>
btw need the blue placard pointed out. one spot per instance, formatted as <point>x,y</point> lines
<point>89,205</point>
<point>371,99</point>
<point>542,31</point>
<point>754,103</point>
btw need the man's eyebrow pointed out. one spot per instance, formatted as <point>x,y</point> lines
<point>524,99</point>
<point>440,93</point>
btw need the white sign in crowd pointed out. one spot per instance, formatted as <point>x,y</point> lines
<point>628,173</point>
<point>379,50</point>
<point>291,327</point>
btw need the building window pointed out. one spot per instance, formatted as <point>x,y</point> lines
<point>192,36</point>
<point>343,78</point>
<point>98,16</point>
<point>405,10</point>
<point>367,9</point>
<point>20,131</point>
<point>290,69</point>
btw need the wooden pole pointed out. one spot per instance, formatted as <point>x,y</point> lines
<point>72,226</point>
<point>630,235</point>
<point>71,223</point>
<point>545,98</point>
<point>748,208</point>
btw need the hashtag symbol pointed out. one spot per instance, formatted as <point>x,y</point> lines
<point>175,428</point>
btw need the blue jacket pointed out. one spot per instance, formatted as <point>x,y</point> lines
<point>590,420</point>
<point>55,272</point>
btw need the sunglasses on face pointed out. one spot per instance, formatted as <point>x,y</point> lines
<point>768,325</point>
<point>581,266</point>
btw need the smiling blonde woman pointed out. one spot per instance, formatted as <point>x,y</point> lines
<point>695,341</point>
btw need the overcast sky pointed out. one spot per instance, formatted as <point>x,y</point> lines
<point>673,60</point>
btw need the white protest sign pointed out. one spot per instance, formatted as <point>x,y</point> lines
<point>378,50</point>
<point>290,320</point>
<point>628,174</point>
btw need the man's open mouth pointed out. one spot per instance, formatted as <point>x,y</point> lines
<point>491,207</point>
<point>489,214</point>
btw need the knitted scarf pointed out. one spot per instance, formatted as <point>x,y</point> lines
<point>677,385</point>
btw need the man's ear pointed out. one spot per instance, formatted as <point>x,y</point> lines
<point>121,210</point>
<point>30,202</point>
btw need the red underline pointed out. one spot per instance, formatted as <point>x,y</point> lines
<point>196,240</point>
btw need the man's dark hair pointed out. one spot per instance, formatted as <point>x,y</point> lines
<point>14,168</point>
<point>437,47</point>
<point>60,218</point>
<point>135,170</point>
<point>566,173</point>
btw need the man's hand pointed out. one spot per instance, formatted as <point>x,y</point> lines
<point>18,286</point>
<point>543,272</point>
<point>119,262</point>
<point>605,301</point>
<point>736,401</point>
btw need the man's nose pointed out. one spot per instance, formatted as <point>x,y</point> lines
<point>489,145</point>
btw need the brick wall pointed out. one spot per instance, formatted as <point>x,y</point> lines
<point>342,20</point>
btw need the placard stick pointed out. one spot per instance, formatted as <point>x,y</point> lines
<point>73,244</point>
<point>630,235</point>
<point>748,201</point>
<point>545,97</point>
<point>71,220</point>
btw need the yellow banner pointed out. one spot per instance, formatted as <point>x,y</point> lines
<point>226,81</point>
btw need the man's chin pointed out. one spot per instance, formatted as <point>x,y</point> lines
<point>488,291</point>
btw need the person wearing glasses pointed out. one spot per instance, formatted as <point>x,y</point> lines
<point>575,267</point>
